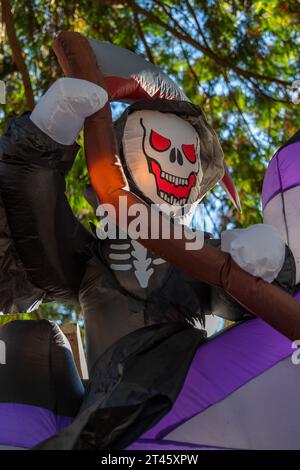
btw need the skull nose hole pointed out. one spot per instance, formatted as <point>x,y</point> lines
<point>172,156</point>
<point>179,158</point>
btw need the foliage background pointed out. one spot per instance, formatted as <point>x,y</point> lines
<point>236,59</point>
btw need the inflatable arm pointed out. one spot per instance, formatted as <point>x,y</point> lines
<point>46,235</point>
<point>209,265</point>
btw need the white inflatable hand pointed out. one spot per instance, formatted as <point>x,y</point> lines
<point>258,249</point>
<point>61,111</point>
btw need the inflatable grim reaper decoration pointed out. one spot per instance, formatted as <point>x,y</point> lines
<point>156,381</point>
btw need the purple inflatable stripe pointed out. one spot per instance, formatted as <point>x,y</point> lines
<point>283,172</point>
<point>152,444</point>
<point>26,426</point>
<point>219,367</point>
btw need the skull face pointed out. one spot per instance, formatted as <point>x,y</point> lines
<point>162,153</point>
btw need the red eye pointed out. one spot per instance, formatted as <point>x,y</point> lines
<point>189,152</point>
<point>159,142</point>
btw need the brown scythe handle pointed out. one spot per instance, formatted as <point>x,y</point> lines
<point>209,265</point>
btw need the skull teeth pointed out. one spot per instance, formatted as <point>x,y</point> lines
<point>174,179</point>
<point>170,199</point>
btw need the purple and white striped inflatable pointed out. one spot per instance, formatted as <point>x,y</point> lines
<point>281,196</point>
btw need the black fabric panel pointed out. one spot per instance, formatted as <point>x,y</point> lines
<point>225,306</point>
<point>49,240</point>
<point>114,304</point>
<point>132,386</point>
<point>17,293</point>
<point>110,429</point>
<point>40,369</point>
<point>286,279</point>
<point>189,297</point>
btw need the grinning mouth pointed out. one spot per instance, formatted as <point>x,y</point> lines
<point>170,188</point>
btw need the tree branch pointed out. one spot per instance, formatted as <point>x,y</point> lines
<point>264,94</point>
<point>142,36</point>
<point>232,95</point>
<point>205,95</point>
<point>17,52</point>
<point>193,13</point>
<point>184,36</point>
